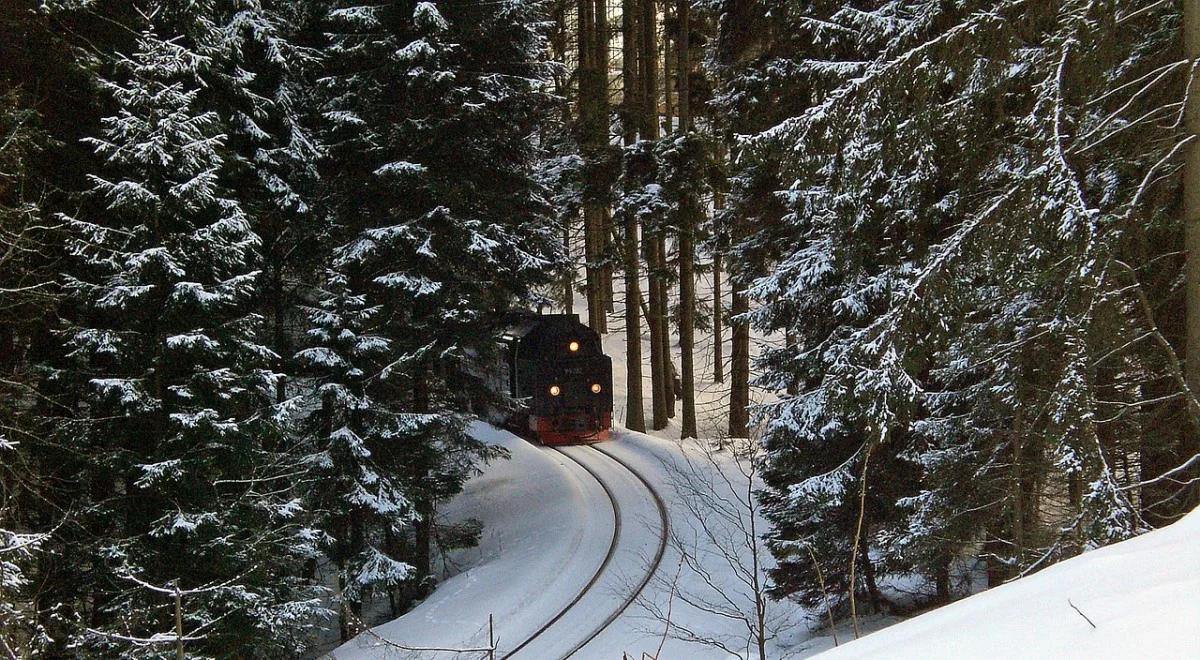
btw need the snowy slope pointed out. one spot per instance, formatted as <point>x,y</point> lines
<point>1143,596</point>
<point>541,533</point>
<point>548,525</point>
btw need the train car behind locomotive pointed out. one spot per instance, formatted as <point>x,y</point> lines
<point>556,367</point>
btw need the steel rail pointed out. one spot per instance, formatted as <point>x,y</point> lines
<point>612,550</point>
<point>663,536</point>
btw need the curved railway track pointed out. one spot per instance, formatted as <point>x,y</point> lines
<point>612,550</point>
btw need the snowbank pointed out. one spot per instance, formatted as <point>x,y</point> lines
<point>1143,595</point>
<point>541,534</point>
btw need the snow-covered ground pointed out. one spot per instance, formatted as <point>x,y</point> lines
<point>548,526</point>
<point>1142,597</point>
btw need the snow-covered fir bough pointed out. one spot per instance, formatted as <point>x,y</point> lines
<point>983,283</point>
<point>187,463</point>
<point>441,229</point>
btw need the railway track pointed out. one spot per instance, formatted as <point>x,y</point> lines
<point>660,505</point>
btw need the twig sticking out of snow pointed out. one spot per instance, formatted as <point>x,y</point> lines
<point>1085,617</point>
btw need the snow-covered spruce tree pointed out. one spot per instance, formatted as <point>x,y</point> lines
<point>979,210</point>
<point>188,467</point>
<point>26,293</point>
<point>361,503</point>
<point>442,226</point>
<point>269,103</point>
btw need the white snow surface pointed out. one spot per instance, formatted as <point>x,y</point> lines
<point>547,528</point>
<point>1143,595</point>
<point>548,525</point>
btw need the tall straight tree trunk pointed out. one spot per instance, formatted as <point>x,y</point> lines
<point>282,344</point>
<point>718,322</point>
<point>1190,442</point>
<point>664,299</point>
<point>653,245</point>
<point>593,123</point>
<point>1016,485</point>
<point>683,17</point>
<point>789,340</point>
<point>1191,197</point>
<point>687,241</point>
<point>635,419</point>
<point>568,283</point>
<point>605,227</point>
<point>631,86</point>
<point>558,49</point>
<point>608,250</point>
<point>668,126</point>
<point>739,367</point>
<point>659,376</point>
<point>649,66</point>
<point>717,266</point>
<point>670,391</point>
<point>423,503</point>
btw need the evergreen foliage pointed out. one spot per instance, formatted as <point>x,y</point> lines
<point>442,229</point>
<point>977,197</point>
<point>187,451</point>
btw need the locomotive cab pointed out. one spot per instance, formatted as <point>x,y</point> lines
<point>557,368</point>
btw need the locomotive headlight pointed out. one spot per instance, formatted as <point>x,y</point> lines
<point>555,390</point>
<point>596,388</point>
<point>573,347</point>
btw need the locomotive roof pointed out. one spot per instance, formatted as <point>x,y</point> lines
<point>536,324</point>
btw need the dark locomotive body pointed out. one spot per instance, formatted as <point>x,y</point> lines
<point>555,367</point>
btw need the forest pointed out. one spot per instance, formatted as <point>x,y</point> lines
<point>934,265</point>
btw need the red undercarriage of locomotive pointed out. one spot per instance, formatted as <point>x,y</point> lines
<point>572,428</point>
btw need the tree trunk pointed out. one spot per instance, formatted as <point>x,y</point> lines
<point>631,86</point>
<point>1191,197</point>
<point>651,243</point>
<point>1190,441</point>
<point>668,108</point>
<point>1017,495</point>
<point>687,243</point>
<point>635,419</point>
<point>942,581</point>
<point>649,66</point>
<point>423,501</point>
<point>789,340</point>
<point>684,59</point>
<point>868,569</point>
<point>671,391</point>
<point>718,323</point>
<point>593,140</point>
<point>739,368</point>
<point>607,250</point>
<point>568,284</point>
<point>282,346</point>
<point>658,371</point>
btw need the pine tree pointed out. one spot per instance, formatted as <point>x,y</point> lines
<point>188,453</point>
<point>979,353</point>
<point>27,292</point>
<point>269,104</point>
<point>361,500</point>
<point>444,229</point>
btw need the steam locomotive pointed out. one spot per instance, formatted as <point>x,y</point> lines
<point>555,367</point>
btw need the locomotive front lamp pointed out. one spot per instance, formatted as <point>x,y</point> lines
<point>573,347</point>
<point>596,388</point>
<point>555,390</point>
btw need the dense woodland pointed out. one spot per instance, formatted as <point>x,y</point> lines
<point>252,253</point>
